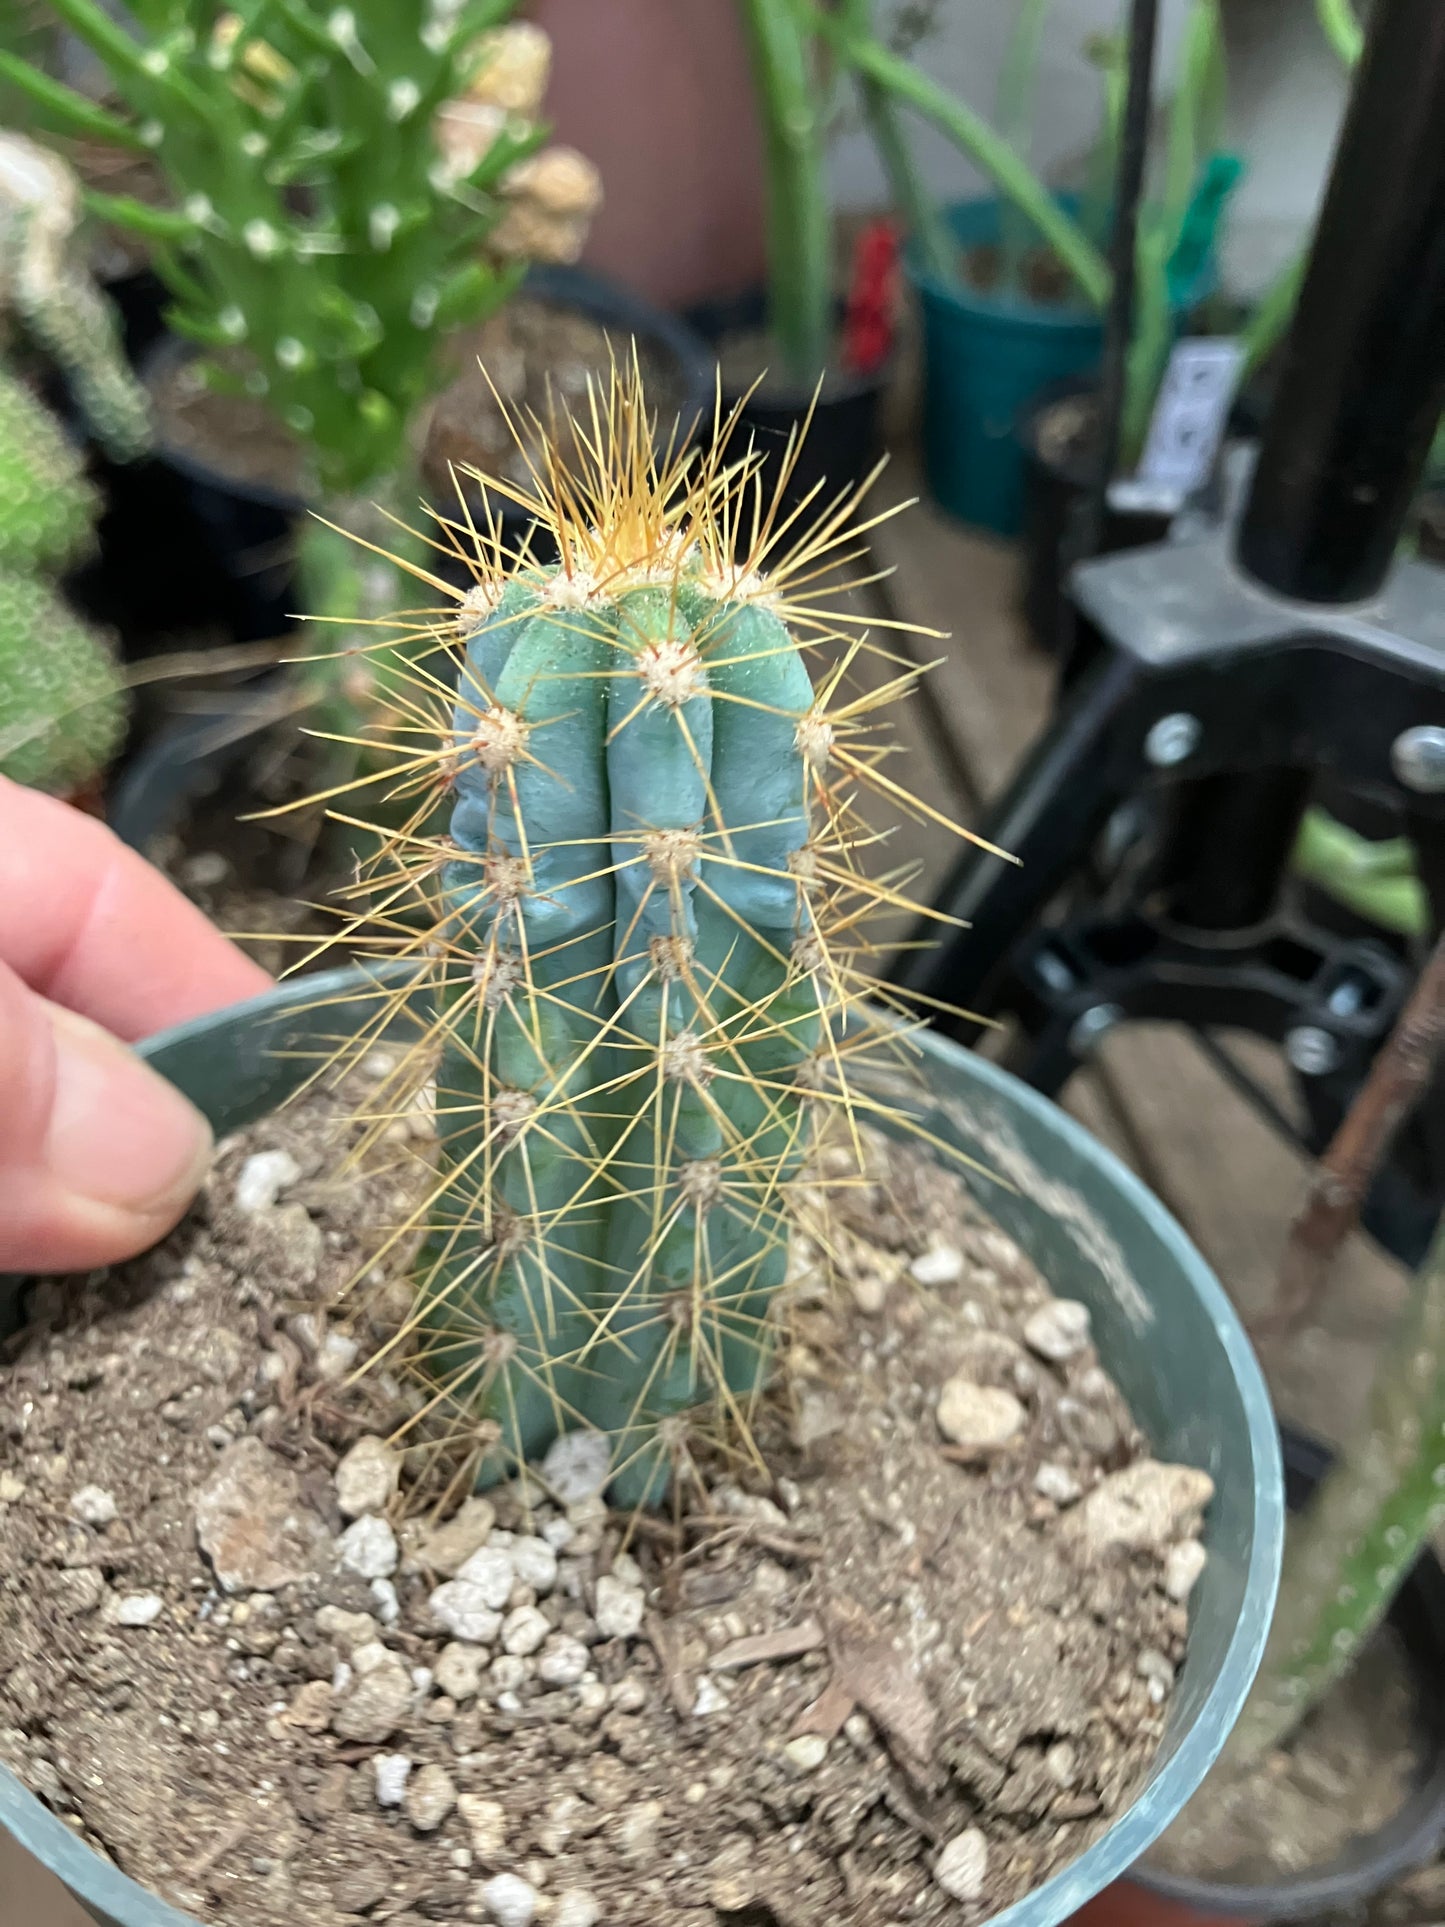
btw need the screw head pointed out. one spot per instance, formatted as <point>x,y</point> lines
<point>1172,739</point>
<point>1417,757</point>
<point>1312,1051</point>
<point>1091,1025</point>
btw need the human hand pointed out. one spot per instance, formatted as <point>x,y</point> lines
<point>99,1156</point>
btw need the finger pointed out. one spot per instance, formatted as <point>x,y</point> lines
<point>90,925</point>
<point>99,1156</point>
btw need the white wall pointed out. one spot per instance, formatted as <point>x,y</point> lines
<point>1286,90</point>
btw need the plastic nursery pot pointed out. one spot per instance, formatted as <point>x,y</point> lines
<point>185,549</point>
<point>1058,480</point>
<point>1160,1318</point>
<point>843,436</point>
<point>1412,1836</point>
<point>627,320</point>
<point>986,359</point>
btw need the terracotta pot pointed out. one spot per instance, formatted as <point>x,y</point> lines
<point>658,94</point>
<point>1127,1905</point>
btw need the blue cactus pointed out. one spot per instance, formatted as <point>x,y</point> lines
<point>641,933</point>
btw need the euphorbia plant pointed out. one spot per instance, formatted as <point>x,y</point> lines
<point>315,230</point>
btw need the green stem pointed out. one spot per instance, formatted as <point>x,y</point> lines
<point>1377,880</point>
<point>1364,1529</point>
<point>73,111</point>
<point>1342,30</point>
<point>1272,317</point>
<point>987,149</point>
<point>1015,117</point>
<point>799,223</point>
<point>924,219</point>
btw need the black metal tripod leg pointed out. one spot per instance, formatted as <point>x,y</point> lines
<point>1048,819</point>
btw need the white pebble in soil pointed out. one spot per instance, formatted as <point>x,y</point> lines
<point>1144,1507</point>
<point>264,1176</point>
<point>1157,1671</point>
<point>620,1608</point>
<point>576,1909</point>
<point>94,1506</point>
<point>430,1797</point>
<point>1058,1330</point>
<point>486,1824</point>
<point>1182,1567</point>
<point>492,1573</point>
<point>388,1606</point>
<point>577,1466</point>
<point>981,1417</point>
<point>939,1265</point>
<point>136,1609</point>
<point>806,1753</point>
<point>961,1867</point>
<point>1058,1483</point>
<point>463,1610</point>
<point>368,1546</point>
<point>392,1770</point>
<point>524,1631</point>
<point>535,1564</point>
<point>367,1478</point>
<point>507,1673</point>
<point>374,1706</point>
<point>563,1661</point>
<point>459,1670</point>
<point>510,1901</point>
<point>709,1698</point>
<point>338,1352</point>
<point>449,1547</point>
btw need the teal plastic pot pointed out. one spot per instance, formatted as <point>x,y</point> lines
<point>987,358</point>
<point>1160,1318</point>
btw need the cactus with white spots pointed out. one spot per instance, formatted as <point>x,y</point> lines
<point>322,232</point>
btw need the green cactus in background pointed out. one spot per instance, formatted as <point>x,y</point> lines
<point>644,934</point>
<point>45,289</point>
<point>47,506</point>
<point>61,706</point>
<point>319,228</point>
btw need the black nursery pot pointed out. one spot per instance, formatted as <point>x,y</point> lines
<point>1414,1833</point>
<point>843,438</point>
<point>1058,481</point>
<point>185,549</point>
<point>627,319</point>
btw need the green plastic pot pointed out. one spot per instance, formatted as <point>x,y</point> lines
<point>987,359</point>
<point>1160,1318</point>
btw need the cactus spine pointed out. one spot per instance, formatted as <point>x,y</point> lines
<point>644,941</point>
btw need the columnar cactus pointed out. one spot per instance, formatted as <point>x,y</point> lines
<point>642,939</point>
<point>45,286</point>
<point>47,506</point>
<point>61,707</point>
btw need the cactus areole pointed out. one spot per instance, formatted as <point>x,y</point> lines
<point>645,928</point>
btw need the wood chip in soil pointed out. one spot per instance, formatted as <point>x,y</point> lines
<point>783,1704</point>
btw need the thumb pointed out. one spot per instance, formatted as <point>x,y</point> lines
<point>99,1156</point>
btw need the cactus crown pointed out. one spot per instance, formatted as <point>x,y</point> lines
<point>647,937</point>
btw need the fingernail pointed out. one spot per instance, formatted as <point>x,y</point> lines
<point>120,1135</point>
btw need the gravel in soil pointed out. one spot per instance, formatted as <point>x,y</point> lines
<point>916,1672</point>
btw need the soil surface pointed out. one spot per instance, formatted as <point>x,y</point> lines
<point>750,358</point>
<point>1346,1773</point>
<point>1046,281</point>
<point>530,357</point>
<point>237,436</point>
<point>921,1669</point>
